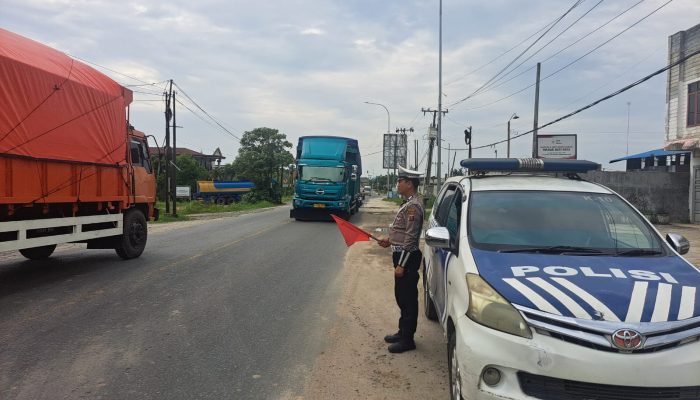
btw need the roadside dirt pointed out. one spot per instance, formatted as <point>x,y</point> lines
<point>356,364</point>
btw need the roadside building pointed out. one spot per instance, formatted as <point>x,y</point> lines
<point>205,160</point>
<point>683,108</point>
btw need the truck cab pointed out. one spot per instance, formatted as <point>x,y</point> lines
<point>328,178</point>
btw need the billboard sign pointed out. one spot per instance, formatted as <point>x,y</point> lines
<point>395,150</point>
<point>556,146</point>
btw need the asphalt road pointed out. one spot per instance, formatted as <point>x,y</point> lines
<point>229,308</point>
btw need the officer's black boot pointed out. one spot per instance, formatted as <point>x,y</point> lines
<point>402,345</point>
<point>393,338</point>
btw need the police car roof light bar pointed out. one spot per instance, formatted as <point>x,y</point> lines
<point>528,165</point>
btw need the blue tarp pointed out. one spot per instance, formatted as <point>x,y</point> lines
<point>651,153</point>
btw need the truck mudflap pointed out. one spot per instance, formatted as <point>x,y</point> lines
<point>316,214</point>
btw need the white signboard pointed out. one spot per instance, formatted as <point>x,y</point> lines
<point>556,146</point>
<point>183,192</point>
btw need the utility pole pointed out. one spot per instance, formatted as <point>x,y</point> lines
<point>174,169</point>
<point>537,108</point>
<point>405,141</point>
<point>415,165</point>
<point>436,113</point>
<point>168,115</point>
<point>627,151</point>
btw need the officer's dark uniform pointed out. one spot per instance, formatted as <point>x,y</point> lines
<point>404,237</point>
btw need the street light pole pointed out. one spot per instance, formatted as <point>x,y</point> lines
<point>388,131</point>
<point>514,116</point>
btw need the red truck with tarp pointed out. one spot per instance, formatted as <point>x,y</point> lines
<point>72,168</point>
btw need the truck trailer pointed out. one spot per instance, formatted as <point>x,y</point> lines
<point>222,192</point>
<point>72,168</point>
<point>327,178</point>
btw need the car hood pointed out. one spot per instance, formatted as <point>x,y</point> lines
<point>630,289</point>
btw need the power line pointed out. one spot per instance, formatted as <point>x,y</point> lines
<point>566,47</point>
<point>611,95</point>
<point>109,69</point>
<point>572,62</point>
<point>501,55</point>
<point>542,47</point>
<point>206,113</point>
<point>519,55</point>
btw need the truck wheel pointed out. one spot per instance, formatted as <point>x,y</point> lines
<point>38,253</point>
<point>220,201</point>
<point>133,240</point>
<point>430,312</point>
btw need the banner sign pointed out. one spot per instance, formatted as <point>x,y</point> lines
<point>183,192</point>
<point>556,146</point>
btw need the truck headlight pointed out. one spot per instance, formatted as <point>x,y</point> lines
<point>490,309</point>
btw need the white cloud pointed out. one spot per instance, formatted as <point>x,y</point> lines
<point>313,31</point>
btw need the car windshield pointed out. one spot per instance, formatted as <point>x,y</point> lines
<point>321,174</point>
<point>558,222</point>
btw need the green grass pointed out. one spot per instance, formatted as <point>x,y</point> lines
<point>199,207</point>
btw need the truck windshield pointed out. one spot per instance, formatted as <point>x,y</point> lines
<point>558,222</point>
<point>321,174</point>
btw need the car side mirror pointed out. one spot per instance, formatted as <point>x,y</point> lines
<point>438,237</point>
<point>678,242</point>
<point>353,176</point>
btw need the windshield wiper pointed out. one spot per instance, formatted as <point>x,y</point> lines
<point>555,250</point>
<point>638,252</point>
<point>317,179</point>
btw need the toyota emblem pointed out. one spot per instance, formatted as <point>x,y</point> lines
<point>627,339</point>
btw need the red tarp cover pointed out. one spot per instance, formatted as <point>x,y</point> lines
<point>54,107</point>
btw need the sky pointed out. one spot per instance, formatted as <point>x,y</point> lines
<point>308,67</point>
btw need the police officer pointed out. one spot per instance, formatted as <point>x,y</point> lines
<point>404,238</point>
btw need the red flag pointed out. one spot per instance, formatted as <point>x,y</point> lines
<point>350,232</point>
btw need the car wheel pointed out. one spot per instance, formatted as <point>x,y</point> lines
<point>133,240</point>
<point>38,253</point>
<point>453,365</point>
<point>430,311</point>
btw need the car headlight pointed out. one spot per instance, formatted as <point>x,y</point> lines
<point>490,309</point>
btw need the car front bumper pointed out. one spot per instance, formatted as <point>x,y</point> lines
<point>550,360</point>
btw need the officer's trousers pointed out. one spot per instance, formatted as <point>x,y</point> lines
<point>406,293</point>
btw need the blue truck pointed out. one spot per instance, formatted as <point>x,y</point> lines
<point>222,192</point>
<point>328,170</point>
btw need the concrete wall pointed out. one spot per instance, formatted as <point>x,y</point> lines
<point>649,191</point>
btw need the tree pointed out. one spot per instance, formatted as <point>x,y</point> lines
<point>261,157</point>
<point>225,172</point>
<point>188,173</point>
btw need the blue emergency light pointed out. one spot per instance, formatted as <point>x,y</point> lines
<point>528,165</point>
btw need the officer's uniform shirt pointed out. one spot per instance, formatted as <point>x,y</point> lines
<point>405,231</point>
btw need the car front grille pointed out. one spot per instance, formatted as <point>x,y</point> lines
<point>659,336</point>
<point>546,388</point>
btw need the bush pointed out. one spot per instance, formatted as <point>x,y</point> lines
<point>253,197</point>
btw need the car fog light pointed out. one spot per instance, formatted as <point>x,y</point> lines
<point>491,376</point>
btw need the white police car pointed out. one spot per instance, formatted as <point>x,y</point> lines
<point>556,288</point>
